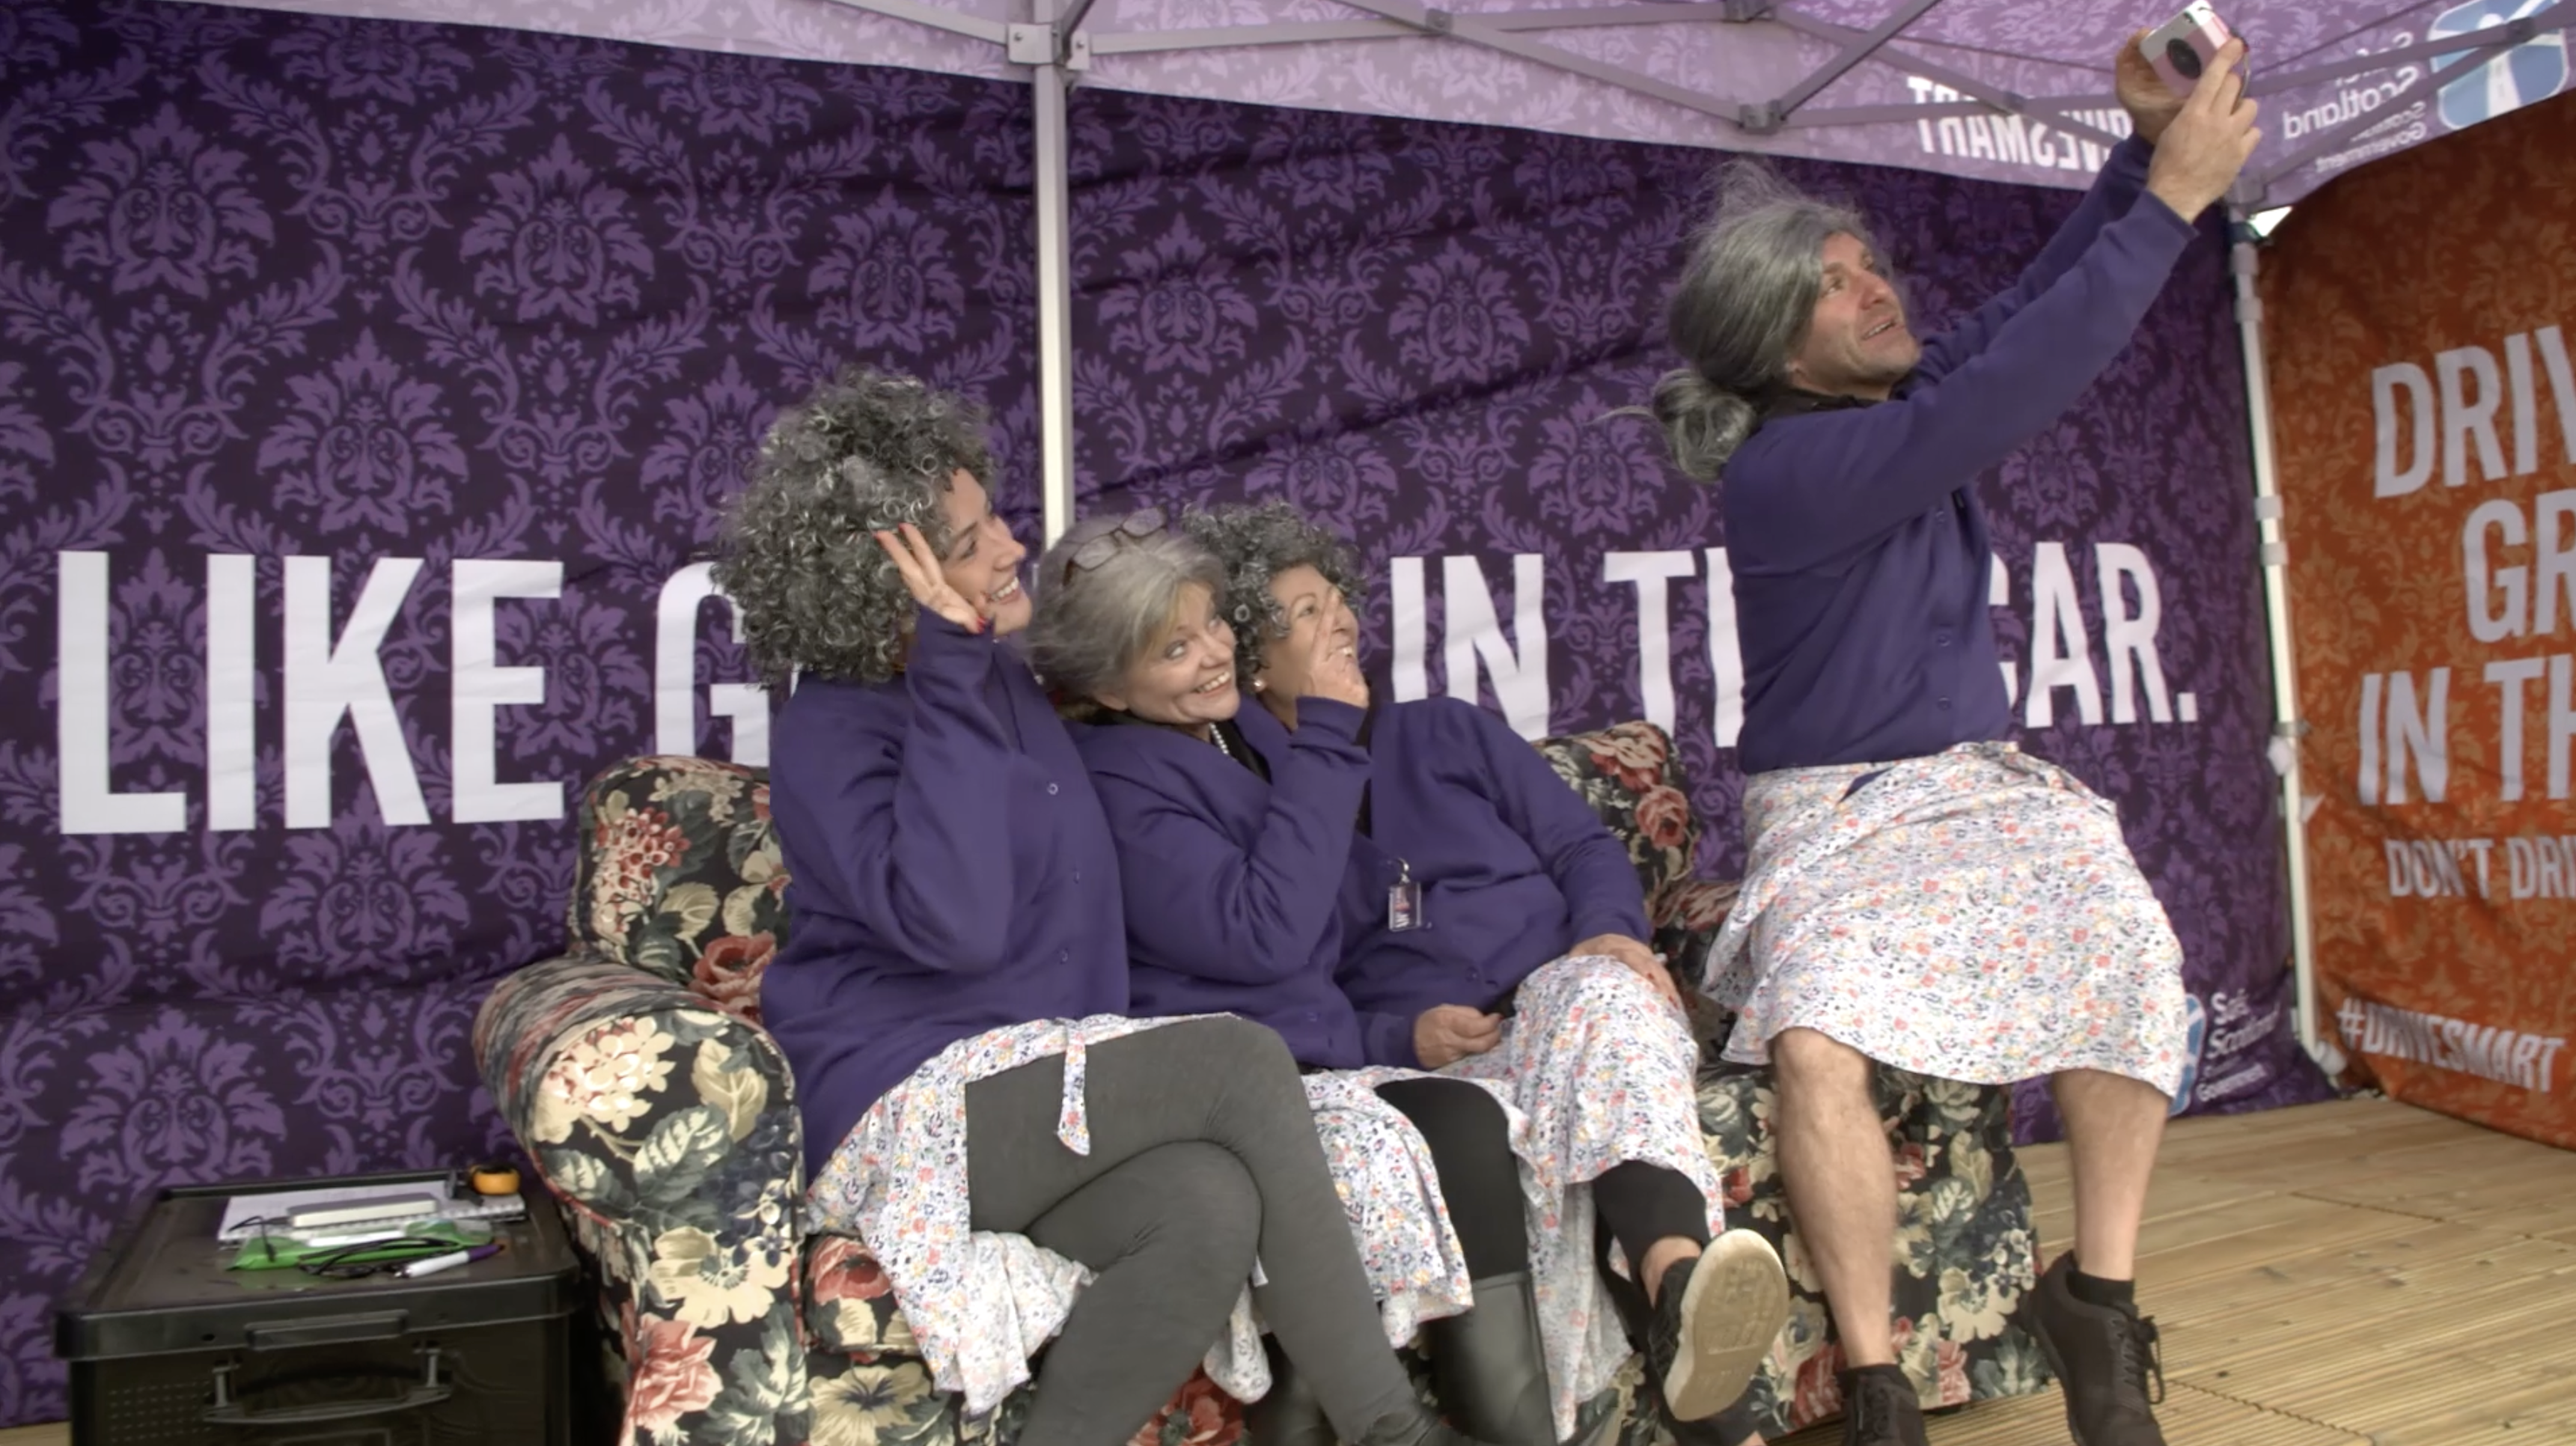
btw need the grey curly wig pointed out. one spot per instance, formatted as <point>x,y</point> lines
<point>1091,625</point>
<point>1747,295</point>
<point>1255,543</point>
<point>868,451</point>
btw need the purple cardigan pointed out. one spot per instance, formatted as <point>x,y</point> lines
<point>1859,549</point>
<point>944,879</point>
<point>1231,881</point>
<point>1515,867</point>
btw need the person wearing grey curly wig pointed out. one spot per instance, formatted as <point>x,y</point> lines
<point>1233,834</point>
<point>1875,728</point>
<point>1476,886</point>
<point>977,1105</point>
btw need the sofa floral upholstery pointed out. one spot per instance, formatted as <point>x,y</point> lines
<point>635,1074</point>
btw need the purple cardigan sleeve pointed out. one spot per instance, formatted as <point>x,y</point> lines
<point>1811,488</point>
<point>1602,895</point>
<point>908,831</point>
<point>1388,1039</point>
<point>1197,903</point>
<point>2114,192</point>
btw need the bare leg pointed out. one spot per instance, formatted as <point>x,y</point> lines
<point>2113,1125</point>
<point>1842,1184</point>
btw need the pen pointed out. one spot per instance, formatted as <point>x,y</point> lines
<point>449,1261</point>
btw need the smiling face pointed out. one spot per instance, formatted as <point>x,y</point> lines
<point>1857,343</point>
<point>1312,606</point>
<point>1185,675</point>
<point>983,559</point>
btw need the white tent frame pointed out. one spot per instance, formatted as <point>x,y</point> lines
<point>1057,49</point>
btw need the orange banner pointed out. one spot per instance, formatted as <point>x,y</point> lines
<point>2420,319</point>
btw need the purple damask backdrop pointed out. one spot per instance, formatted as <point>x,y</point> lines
<point>277,286</point>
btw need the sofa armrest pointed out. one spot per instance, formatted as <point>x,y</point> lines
<point>668,1131</point>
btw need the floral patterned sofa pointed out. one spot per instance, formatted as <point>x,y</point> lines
<point>636,1076</point>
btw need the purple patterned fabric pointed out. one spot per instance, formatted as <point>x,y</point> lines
<point>274,285</point>
<point>332,296</point>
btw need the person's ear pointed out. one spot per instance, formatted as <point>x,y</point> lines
<point>1112,699</point>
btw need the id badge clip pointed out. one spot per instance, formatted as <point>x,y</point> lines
<point>1403,900</point>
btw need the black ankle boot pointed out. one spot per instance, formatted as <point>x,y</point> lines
<point>2104,1357</point>
<point>1417,1427</point>
<point>1716,1315</point>
<point>1489,1367</point>
<point>1733,1426</point>
<point>1290,1415</point>
<point>1880,1408</point>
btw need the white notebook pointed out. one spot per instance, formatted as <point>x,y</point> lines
<point>244,1214</point>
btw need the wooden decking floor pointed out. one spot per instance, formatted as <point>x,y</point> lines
<point>2360,1273</point>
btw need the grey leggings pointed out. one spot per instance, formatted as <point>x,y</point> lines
<point>1202,1152</point>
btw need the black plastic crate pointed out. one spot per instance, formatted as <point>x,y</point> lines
<point>169,1348</point>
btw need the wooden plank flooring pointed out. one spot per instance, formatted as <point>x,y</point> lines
<point>2359,1273</point>
<point>2351,1274</point>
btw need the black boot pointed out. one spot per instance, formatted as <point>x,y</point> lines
<point>1417,1427</point>
<point>2103,1356</point>
<point>1731,1427</point>
<point>1880,1408</point>
<point>1734,1426</point>
<point>1290,1415</point>
<point>1716,1315</point>
<point>1489,1368</point>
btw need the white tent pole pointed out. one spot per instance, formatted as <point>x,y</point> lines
<point>1048,84</point>
<point>1853,53</point>
<point>2287,728</point>
<point>1889,54</point>
<point>1431,20</point>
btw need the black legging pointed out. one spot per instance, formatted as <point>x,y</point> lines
<point>1467,1131</point>
<point>1470,1140</point>
<point>1639,1204</point>
<point>1162,1220</point>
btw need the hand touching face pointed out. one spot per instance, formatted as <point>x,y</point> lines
<point>1318,656</point>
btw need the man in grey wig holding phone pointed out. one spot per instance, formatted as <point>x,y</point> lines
<point>1920,892</point>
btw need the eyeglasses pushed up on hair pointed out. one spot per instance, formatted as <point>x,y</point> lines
<point>1138,525</point>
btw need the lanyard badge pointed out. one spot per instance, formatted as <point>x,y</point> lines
<point>1403,900</point>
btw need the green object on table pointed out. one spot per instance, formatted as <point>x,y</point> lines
<point>275,1252</point>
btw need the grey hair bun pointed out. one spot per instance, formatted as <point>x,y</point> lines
<point>1703,422</point>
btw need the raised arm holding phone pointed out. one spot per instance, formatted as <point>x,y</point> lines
<point>1920,893</point>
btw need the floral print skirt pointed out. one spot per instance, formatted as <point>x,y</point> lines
<point>1972,915</point>
<point>1597,1069</point>
<point>1390,1189</point>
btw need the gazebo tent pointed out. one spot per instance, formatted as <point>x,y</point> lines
<point>249,941</point>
